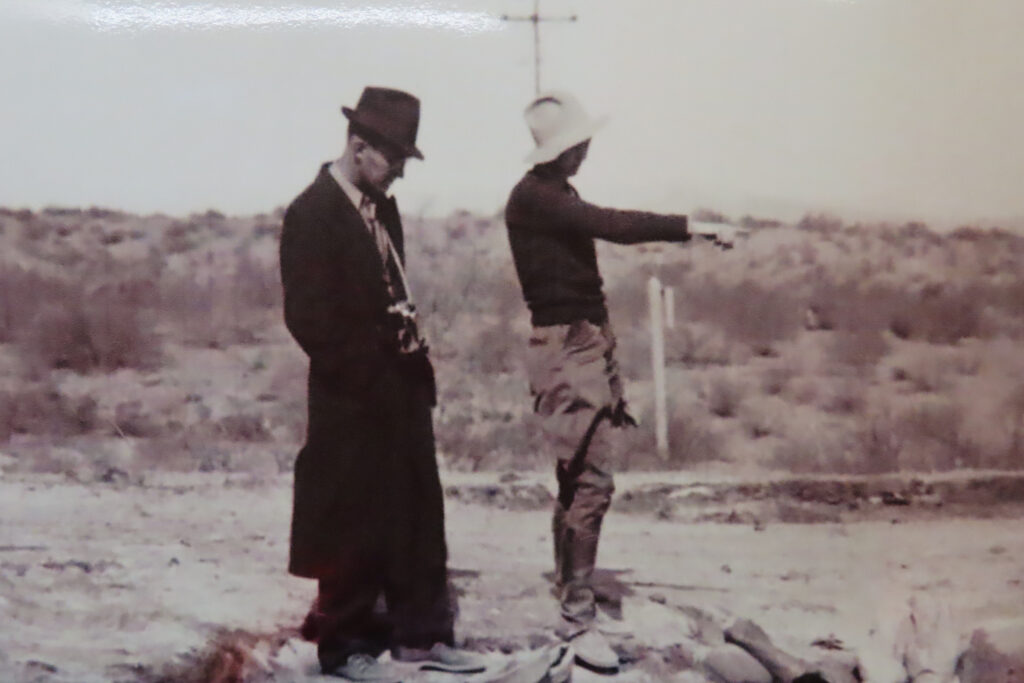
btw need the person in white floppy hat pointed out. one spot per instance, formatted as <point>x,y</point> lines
<point>573,373</point>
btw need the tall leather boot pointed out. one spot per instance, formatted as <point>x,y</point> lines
<point>562,573</point>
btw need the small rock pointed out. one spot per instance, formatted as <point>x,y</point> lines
<point>7,462</point>
<point>734,664</point>
<point>114,475</point>
<point>891,498</point>
<point>36,665</point>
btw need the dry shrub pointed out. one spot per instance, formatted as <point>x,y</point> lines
<point>753,223</point>
<point>1014,416</point>
<point>934,434</point>
<point>724,394</point>
<point>266,225</point>
<point>970,233</point>
<point>873,443</point>
<point>747,312</point>
<point>917,231</point>
<point>1008,297</point>
<point>242,428</point>
<point>98,331</point>
<point>811,451</point>
<point>633,353</point>
<point>763,417</point>
<point>879,443</point>
<point>822,223</point>
<point>692,440</point>
<point>180,237</point>
<point>131,418</point>
<point>688,344</point>
<point>43,410</point>
<point>934,437</point>
<point>258,284</point>
<point>495,350</point>
<point>183,452</point>
<point>225,309</point>
<point>497,442</point>
<point>287,389</point>
<point>940,314</point>
<point>204,452</point>
<point>695,344</point>
<point>806,391</point>
<point>859,349</point>
<point>926,372</point>
<point>937,313</point>
<point>847,305</point>
<point>847,397</point>
<point>776,378</point>
<point>702,215</point>
<point>22,292</point>
<point>35,228</point>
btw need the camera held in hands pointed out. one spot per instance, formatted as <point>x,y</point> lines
<point>402,316</point>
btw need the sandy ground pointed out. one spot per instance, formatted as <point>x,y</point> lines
<point>110,582</point>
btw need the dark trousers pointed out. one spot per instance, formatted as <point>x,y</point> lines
<point>363,613</point>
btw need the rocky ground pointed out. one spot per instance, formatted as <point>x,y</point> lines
<point>182,577</point>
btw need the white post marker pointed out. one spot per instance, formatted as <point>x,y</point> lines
<point>654,295</point>
<point>670,308</point>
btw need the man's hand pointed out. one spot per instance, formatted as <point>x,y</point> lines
<point>723,234</point>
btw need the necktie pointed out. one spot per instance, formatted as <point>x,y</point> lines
<point>368,210</point>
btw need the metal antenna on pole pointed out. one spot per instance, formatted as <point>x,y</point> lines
<point>535,19</point>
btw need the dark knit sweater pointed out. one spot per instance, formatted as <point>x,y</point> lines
<point>552,231</point>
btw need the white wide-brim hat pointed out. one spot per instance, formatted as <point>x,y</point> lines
<point>558,122</point>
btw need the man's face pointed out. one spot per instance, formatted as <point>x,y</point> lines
<point>571,159</point>
<point>378,166</point>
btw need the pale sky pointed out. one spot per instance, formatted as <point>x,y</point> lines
<point>901,109</point>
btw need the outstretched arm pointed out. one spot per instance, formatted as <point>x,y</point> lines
<point>545,207</point>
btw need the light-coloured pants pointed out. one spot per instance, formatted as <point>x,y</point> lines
<point>577,394</point>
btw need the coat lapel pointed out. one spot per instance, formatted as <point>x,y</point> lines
<point>351,231</point>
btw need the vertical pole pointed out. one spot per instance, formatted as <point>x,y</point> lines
<point>536,47</point>
<point>654,295</point>
<point>670,308</point>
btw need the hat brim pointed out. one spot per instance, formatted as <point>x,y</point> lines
<point>409,150</point>
<point>550,150</point>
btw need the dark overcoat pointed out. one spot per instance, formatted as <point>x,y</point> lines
<point>367,494</point>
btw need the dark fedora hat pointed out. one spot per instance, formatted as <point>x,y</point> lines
<point>392,116</point>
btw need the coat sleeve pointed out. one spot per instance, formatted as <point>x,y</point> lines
<point>545,207</point>
<point>329,309</point>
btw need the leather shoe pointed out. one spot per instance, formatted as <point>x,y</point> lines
<point>441,657</point>
<point>593,652</point>
<point>364,667</point>
<point>551,664</point>
<point>612,627</point>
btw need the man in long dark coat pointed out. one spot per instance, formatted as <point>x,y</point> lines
<point>368,518</point>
